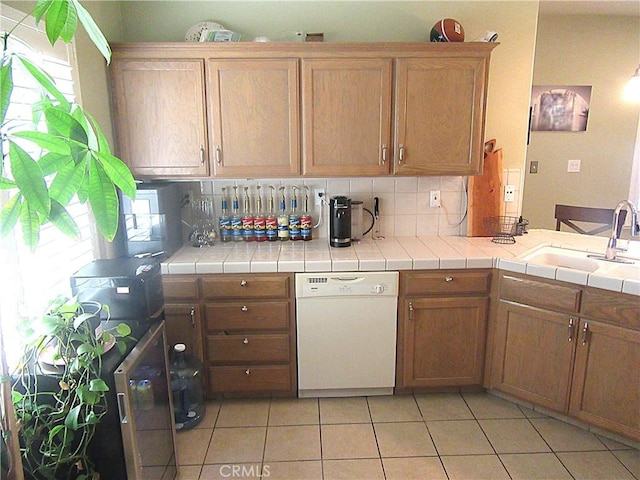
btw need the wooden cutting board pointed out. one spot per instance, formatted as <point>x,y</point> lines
<point>485,192</point>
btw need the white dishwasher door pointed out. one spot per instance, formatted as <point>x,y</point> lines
<point>347,342</point>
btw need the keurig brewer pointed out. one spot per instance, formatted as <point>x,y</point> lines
<point>340,221</point>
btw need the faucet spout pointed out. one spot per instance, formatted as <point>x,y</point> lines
<point>612,245</point>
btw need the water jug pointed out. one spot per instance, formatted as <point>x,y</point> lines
<point>186,388</point>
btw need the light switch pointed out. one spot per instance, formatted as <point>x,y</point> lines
<point>573,166</point>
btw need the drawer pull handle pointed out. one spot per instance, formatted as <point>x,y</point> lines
<point>247,372</point>
<point>448,279</point>
<point>384,154</point>
<point>218,155</point>
<point>245,308</point>
<point>243,283</point>
<point>201,155</point>
<point>245,341</point>
<point>570,328</point>
<point>400,153</point>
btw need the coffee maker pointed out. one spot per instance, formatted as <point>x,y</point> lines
<point>340,221</point>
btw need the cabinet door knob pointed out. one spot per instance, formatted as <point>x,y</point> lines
<point>448,279</point>
<point>243,283</point>
<point>245,308</point>
<point>218,155</point>
<point>245,341</point>
<point>247,372</point>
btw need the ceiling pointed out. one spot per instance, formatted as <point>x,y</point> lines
<point>590,7</point>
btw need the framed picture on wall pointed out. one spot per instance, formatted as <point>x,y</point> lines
<point>560,108</point>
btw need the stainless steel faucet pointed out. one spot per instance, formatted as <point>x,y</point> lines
<point>612,245</point>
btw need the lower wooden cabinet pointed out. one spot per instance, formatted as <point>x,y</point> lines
<point>442,328</point>
<point>240,325</point>
<point>583,361</point>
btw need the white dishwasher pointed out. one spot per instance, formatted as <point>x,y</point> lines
<point>346,333</point>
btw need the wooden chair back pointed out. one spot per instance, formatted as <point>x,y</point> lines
<point>602,217</point>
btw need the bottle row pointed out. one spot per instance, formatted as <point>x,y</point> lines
<point>256,223</point>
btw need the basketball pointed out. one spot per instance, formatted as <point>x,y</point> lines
<point>447,30</point>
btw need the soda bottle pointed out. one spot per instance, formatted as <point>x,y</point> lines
<point>283,219</point>
<point>224,221</point>
<point>306,222</point>
<point>294,217</point>
<point>247,218</point>
<point>271,221</point>
<point>259,220</point>
<point>236,219</point>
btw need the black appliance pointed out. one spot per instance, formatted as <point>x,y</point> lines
<point>135,440</point>
<point>131,287</point>
<point>153,220</point>
<point>340,221</point>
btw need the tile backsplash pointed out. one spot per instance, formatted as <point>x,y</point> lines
<point>404,201</point>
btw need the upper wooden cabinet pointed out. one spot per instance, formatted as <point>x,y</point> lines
<point>439,116</point>
<point>252,109</point>
<point>253,117</point>
<point>159,116</point>
<point>346,111</point>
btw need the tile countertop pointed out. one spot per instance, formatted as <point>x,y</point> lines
<point>403,253</point>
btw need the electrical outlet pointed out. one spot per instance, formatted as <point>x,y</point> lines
<point>318,195</point>
<point>509,194</point>
<point>434,198</point>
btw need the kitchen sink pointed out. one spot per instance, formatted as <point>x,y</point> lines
<point>582,261</point>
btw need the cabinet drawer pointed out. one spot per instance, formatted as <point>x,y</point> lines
<point>540,294</point>
<point>247,316</point>
<point>445,282</point>
<point>180,287</point>
<point>623,310</point>
<point>247,348</point>
<point>246,286</point>
<point>262,378</point>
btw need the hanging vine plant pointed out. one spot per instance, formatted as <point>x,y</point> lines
<point>74,156</point>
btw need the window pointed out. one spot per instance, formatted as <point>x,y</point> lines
<point>29,280</point>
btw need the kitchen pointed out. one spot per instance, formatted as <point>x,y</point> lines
<point>504,92</point>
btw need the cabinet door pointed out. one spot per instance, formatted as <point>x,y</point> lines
<point>533,356</point>
<point>254,117</point>
<point>159,116</point>
<point>444,341</point>
<point>346,108</point>
<point>606,379</point>
<point>439,115</point>
<point>182,323</point>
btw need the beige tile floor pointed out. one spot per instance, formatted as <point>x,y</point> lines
<point>433,436</point>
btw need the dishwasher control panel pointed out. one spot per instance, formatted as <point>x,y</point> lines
<point>345,284</point>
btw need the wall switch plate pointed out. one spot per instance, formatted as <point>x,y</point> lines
<point>318,194</point>
<point>533,166</point>
<point>509,194</point>
<point>434,198</point>
<point>573,166</point>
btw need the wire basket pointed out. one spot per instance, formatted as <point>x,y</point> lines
<point>502,228</point>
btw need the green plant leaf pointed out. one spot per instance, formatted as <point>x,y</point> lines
<point>41,8</point>
<point>122,347</point>
<point>61,21</point>
<point>80,319</point>
<point>9,214</point>
<point>7,183</point>
<point>6,87</point>
<point>63,221</point>
<point>98,385</point>
<point>103,200</point>
<point>123,330</point>
<point>67,182</point>
<point>95,34</point>
<point>29,179</point>
<point>83,119</point>
<point>52,162</point>
<point>62,123</point>
<point>30,223</point>
<point>52,143</point>
<point>44,79</point>
<point>16,397</point>
<point>54,431</point>
<point>85,348</point>
<point>118,173</point>
<point>71,420</point>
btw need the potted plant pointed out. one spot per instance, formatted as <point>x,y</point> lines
<point>58,392</point>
